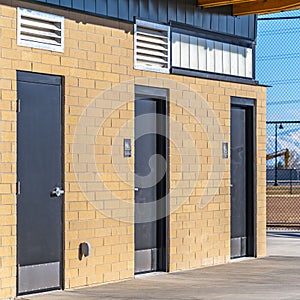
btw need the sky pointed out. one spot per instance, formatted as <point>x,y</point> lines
<point>278,66</point>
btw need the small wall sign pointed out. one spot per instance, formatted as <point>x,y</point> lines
<point>225,150</point>
<point>127,147</point>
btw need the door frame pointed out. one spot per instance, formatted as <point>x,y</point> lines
<point>38,78</point>
<point>161,94</point>
<point>249,104</point>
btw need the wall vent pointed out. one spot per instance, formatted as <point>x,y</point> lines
<point>40,30</point>
<point>151,46</point>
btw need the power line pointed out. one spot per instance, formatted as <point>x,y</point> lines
<point>284,102</point>
<point>278,18</point>
<point>283,122</point>
<point>279,31</point>
<point>283,81</point>
<point>278,56</point>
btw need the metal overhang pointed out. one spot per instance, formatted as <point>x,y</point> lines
<point>248,7</point>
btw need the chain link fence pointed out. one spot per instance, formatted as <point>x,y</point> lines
<point>278,66</point>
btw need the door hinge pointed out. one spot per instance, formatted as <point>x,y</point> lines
<point>18,105</point>
<point>18,189</point>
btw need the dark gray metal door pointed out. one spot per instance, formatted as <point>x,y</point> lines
<point>150,187</point>
<point>241,182</point>
<point>39,172</point>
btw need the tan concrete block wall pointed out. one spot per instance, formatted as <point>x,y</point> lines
<point>200,232</point>
<point>261,172</point>
<point>97,65</point>
<point>8,159</point>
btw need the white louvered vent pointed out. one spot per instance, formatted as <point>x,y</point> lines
<point>151,46</point>
<point>40,30</point>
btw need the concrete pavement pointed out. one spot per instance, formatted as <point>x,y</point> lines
<point>283,243</point>
<point>275,277</point>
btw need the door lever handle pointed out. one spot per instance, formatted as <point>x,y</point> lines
<point>57,192</point>
<point>136,189</point>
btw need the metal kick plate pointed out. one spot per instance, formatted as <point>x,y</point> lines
<point>238,247</point>
<point>39,277</point>
<point>145,260</point>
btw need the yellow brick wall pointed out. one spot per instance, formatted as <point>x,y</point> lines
<point>97,65</point>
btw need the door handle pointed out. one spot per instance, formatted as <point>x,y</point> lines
<point>57,192</point>
<point>136,189</point>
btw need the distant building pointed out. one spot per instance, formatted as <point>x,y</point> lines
<point>283,174</point>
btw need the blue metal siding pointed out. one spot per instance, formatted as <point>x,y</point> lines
<point>163,11</point>
<point>77,4</point>
<point>101,7</point>
<point>182,11</point>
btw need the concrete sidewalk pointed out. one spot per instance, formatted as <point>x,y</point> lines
<point>275,277</point>
<point>283,243</point>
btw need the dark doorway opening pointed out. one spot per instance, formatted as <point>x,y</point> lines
<point>242,177</point>
<point>151,180</point>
